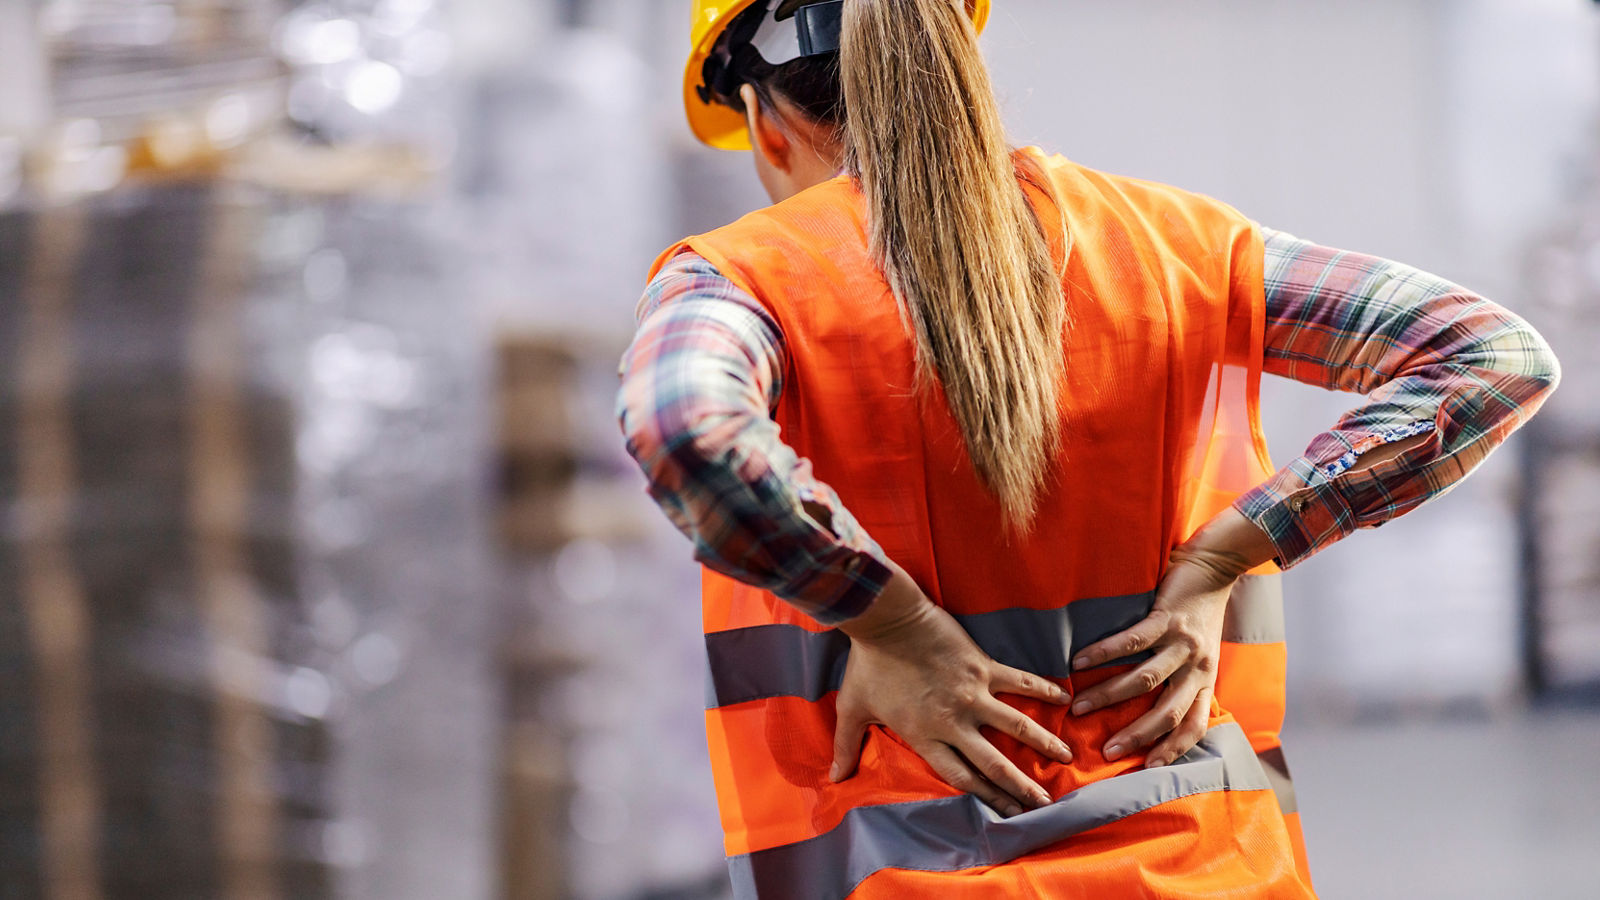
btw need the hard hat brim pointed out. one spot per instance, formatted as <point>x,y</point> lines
<point>715,125</point>
<point>720,126</point>
<point>712,123</point>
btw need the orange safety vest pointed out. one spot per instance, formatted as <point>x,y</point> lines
<point>1160,432</point>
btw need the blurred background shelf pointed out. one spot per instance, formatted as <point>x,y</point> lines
<point>1559,502</point>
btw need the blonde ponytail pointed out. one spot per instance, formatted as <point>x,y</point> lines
<point>956,236</point>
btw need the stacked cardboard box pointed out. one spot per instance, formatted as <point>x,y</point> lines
<point>149,595</point>
<point>540,460</point>
<point>243,586</point>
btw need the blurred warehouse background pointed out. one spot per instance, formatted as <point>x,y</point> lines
<point>323,573</point>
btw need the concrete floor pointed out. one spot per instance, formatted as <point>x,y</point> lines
<point>1502,808</point>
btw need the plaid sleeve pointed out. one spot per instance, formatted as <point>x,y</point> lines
<point>1433,358</point>
<point>698,384</point>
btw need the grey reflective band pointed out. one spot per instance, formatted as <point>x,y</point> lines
<point>1255,611</point>
<point>958,833</point>
<point>788,661</point>
<point>1277,769</point>
<point>1043,641</point>
<point>774,661</point>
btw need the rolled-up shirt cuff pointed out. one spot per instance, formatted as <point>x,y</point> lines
<point>835,594</point>
<point>1301,510</point>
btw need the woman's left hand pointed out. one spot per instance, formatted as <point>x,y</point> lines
<point>1184,634</point>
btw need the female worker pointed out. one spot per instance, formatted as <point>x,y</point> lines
<point>966,439</point>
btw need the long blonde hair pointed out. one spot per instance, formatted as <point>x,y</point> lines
<point>956,236</point>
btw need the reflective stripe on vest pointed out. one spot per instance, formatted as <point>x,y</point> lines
<point>1255,611</point>
<point>788,661</point>
<point>955,833</point>
<point>1277,769</point>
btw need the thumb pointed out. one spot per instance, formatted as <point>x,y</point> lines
<point>848,734</point>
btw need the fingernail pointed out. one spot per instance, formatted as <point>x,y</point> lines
<point>1081,707</point>
<point>1081,662</point>
<point>833,772</point>
<point>1153,764</point>
<point>1113,751</point>
<point>1041,799</point>
<point>1063,752</point>
<point>1011,810</point>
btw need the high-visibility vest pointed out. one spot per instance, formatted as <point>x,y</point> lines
<point>1164,290</point>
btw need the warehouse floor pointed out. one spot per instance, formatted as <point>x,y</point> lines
<point>1503,808</point>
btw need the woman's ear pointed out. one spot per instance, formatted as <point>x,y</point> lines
<point>766,134</point>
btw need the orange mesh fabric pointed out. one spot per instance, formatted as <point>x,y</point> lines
<point>1160,431</point>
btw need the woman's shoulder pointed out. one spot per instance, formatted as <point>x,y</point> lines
<point>828,219</point>
<point>1076,182</point>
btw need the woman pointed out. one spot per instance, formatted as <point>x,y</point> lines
<point>966,438</point>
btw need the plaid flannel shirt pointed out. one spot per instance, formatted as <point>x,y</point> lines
<point>705,370</point>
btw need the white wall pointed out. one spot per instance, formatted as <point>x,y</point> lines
<point>24,88</point>
<point>1524,78</point>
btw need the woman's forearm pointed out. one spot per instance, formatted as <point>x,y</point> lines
<point>1231,543</point>
<point>1449,376</point>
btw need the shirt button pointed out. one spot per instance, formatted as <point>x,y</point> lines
<point>1299,504</point>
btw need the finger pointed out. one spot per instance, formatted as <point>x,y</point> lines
<point>1136,639</point>
<point>848,734</point>
<point>1162,718</point>
<point>1011,721</point>
<point>1001,772</point>
<point>1149,675</point>
<point>954,771</point>
<point>1007,680</point>
<point>1185,736</point>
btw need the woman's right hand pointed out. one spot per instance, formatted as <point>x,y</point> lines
<point>915,671</point>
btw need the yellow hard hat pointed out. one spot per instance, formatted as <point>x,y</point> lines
<point>713,123</point>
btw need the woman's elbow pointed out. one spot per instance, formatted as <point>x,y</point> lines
<point>644,434</point>
<point>1530,375</point>
<point>1543,367</point>
<point>673,445</point>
